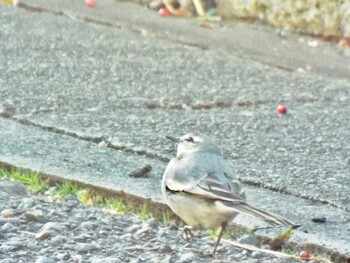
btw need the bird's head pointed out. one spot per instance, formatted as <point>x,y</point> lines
<point>191,143</point>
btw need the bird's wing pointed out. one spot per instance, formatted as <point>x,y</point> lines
<point>202,182</point>
<point>210,188</point>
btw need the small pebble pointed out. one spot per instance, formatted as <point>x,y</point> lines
<point>63,256</point>
<point>8,227</point>
<point>35,215</point>
<point>44,260</point>
<point>256,254</point>
<point>12,188</point>
<point>319,219</point>
<point>187,257</point>
<point>6,213</point>
<point>141,172</point>
<point>249,240</point>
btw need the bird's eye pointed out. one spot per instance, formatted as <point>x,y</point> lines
<point>189,139</point>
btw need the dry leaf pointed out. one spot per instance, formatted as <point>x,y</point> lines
<point>206,25</point>
<point>344,42</point>
<point>9,2</point>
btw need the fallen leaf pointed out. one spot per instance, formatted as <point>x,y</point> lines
<point>9,2</point>
<point>344,42</point>
<point>206,25</point>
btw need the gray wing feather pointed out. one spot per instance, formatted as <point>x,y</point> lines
<point>197,176</point>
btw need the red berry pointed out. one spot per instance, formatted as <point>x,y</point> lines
<point>304,255</point>
<point>164,12</point>
<point>90,3</point>
<point>282,109</point>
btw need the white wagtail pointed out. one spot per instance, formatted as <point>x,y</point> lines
<point>199,186</point>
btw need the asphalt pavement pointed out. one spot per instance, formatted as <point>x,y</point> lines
<point>89,95</point>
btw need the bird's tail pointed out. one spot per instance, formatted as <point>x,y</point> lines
<point>265,216</point>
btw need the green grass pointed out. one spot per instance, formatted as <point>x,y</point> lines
<point>65,189</point>
<point>144,212</point>
<point>288,251</point>
<point>89,197</point>
<point>118,205</point>
<point>214,233</point>
<point>37,184</point>
<point>166,217</point>
<point>250,232</point>
<point>32,180</point>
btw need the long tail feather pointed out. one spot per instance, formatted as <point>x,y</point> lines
<point>263,215</point>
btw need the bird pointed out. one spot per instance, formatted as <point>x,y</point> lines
<point>200,187</point>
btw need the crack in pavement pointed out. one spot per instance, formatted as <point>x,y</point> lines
<point>252,182</point>
<point>101,141</point>
<point>207,105</point>
<point>220,104</point>
<point>129,148</point>
<point>56,130</point>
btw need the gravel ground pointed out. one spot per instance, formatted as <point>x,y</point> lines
<point>42,230</point>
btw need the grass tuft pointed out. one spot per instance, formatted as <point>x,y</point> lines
<point>144,212</point>
<point>166,217</point>
<point>118,205</point>
<point>65,189</point>
<point>32,180</point>
<point>87,196</point>
<point>214,233</point>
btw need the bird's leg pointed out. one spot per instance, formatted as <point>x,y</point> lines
<point>222,229</point>
<point>187,233</point>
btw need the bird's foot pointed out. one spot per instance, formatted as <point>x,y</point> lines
<point>187,233</point>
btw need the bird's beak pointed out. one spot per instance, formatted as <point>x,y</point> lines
<point>174,139</point>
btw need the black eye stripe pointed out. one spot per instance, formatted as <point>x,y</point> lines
<point>189,139</point>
